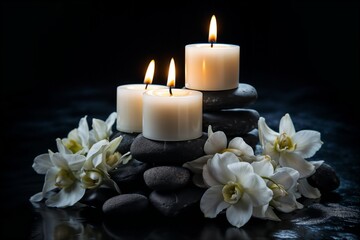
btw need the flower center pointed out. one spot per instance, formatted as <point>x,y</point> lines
<point>64,179</point>
<point>73,146</point>
<point>91,178</point>
<point>278,190</point>
<point>232,192</point>
<point>112,159</point>
<point>284,143</point>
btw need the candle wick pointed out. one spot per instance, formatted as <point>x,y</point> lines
<point>146,86</point>
<point>211,43</point>
<point>170,91</point>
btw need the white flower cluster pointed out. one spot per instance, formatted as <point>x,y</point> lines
<point>83,161</point>
<point>244,184</point>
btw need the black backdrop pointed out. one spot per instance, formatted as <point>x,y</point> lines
<point>60,44</point>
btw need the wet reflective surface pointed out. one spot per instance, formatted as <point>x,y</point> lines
<point>38,121</point>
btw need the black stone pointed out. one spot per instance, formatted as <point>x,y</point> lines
<point>239,97</point>
<point>233,123</point>
<point>167,177</point>
<point>324,178</point>
<point>126,142</point>
<point>251,138</point>
<point>167,153</point>
<point>97,197</point>
<point>175,202</point>
<point>132,171</point>
<point>125,204</point>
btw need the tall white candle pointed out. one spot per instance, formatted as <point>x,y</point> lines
<point>129,102</point>
<point>172,114</point>
<point>212,66</point>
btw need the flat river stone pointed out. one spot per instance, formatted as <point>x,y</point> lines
<point>239,97</point>
<point>167,153</point>
<point>234,122</point>
<point>166,177</point>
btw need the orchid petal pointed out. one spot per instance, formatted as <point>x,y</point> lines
<point>269,149</point>
<point>75,161</point>
<point>110,121</point>
<point>66,197</point>
<point>307,190</point>
<point>263,168</point>
<point>212,201</point>
<point>50,180</point>
<point>42,163</point>
<point>114,144</point>
<point>240,213</point>
<point>286,203</point>
<point>111,183</point>
<point>286,125</point>
<point>265,212</point>
<point>286,176</point>
<point>266,134</point>
<point>196,166</point>
<point>126,158</point>
<point>298,163</point>
<point>61,148</point>
<point>59,161</point>
<point>218,167</point>
<point>83,132</point>
<point>240,144</point>
<point>242,172</point>
<point>100,129</point>
<point>215,143</point>
<point>209,180</point>
<point>36,197</point>
<point>307,142</point>
<point>317,164</point>
<point>210,131</point>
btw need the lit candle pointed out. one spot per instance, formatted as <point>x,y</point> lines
<point>129,102</point>
<point>172,114</point>
<point>212,66</point>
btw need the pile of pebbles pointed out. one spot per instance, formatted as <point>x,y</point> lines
<point>155,179</point>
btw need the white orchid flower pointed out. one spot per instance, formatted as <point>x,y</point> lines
<point>234,186</point>
<point>61,174</point>
<point>217,143</point>
<point>283,182</point>
<point>102,129</point>
<point>94,172</point>
<point>77,140</point>
<point>288,147</point>
<point>111,158</point>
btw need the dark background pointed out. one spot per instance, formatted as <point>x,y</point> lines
<point>53,52</point>
<point>51,44</point>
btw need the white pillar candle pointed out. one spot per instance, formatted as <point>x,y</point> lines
<point>212,66</point>
<point>172,114</point>
<point>129,102</point>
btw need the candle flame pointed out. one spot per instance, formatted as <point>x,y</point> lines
<point>171,75</point>
<point>150,72</point>
<point>212,30</point>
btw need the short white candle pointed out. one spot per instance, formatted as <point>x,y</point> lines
<point>172,116</point>
<point>212,66</point>
<point>129,102</point>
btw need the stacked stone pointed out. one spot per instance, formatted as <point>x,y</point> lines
<point>154,180</point>
<point>228,111</point>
